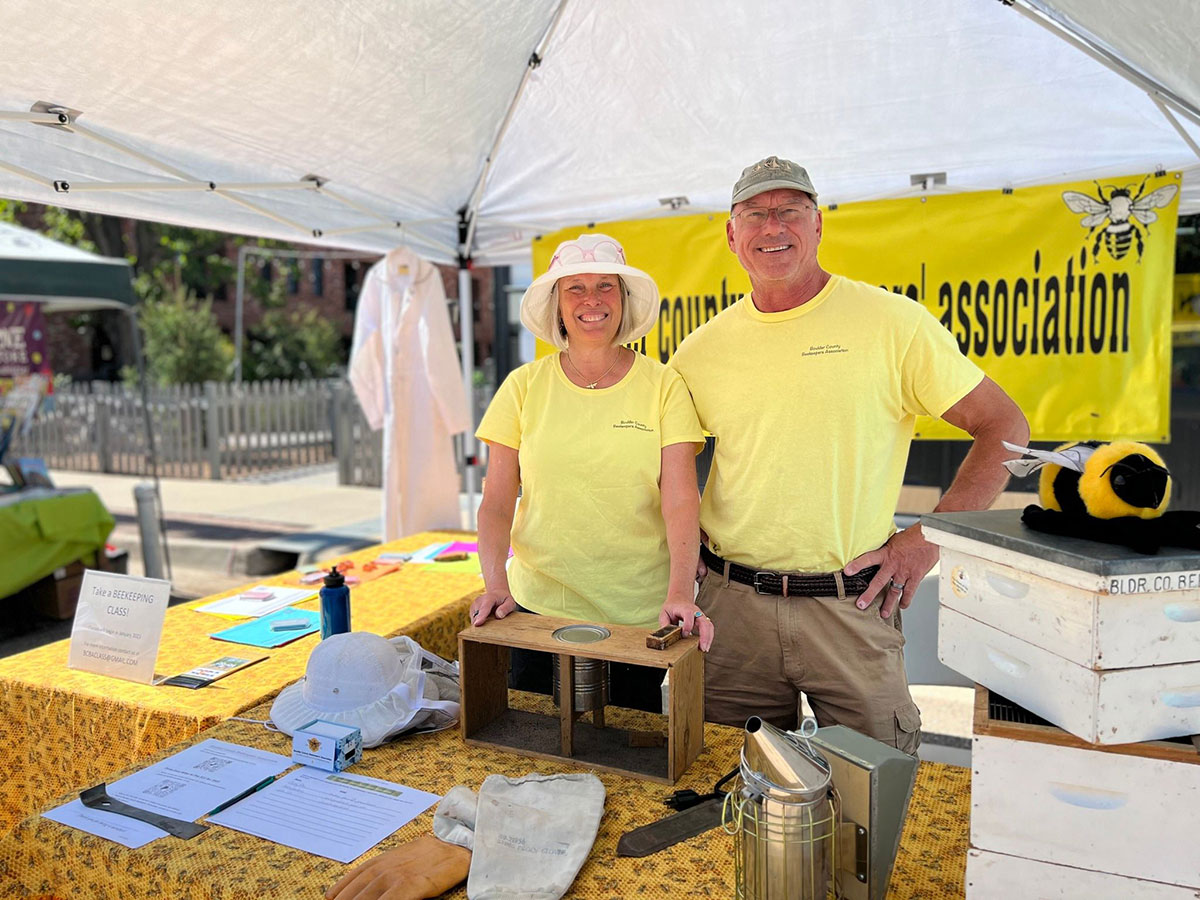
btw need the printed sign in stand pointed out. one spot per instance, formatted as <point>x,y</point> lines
<point>118,625</point>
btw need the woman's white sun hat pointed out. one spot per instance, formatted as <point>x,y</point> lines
<point>380,687</point>
<point>590,254</point>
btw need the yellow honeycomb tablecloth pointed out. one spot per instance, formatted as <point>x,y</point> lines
<point>42,859</point>
<point>61,728</point>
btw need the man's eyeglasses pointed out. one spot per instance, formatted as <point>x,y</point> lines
<point>758,215</point>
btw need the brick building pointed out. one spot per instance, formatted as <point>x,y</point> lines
<point>96,346</point>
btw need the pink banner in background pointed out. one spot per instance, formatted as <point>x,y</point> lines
<point>22,340</point>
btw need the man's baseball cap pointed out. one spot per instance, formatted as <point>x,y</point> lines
<point>772,174</point>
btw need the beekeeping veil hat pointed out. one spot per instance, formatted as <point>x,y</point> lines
<point>381,687</point>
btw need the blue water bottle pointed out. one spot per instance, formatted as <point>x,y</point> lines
<point>335,604</point>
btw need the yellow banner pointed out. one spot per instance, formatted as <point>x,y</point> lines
<point>1062,294</point>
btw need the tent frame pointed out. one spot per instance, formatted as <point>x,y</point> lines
<point>1162,95</point>
<point>66,119</point>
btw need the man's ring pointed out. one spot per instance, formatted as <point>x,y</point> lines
<point>698,614</point>
<point>897,586</point>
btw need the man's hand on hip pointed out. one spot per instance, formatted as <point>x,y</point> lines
<point>903,561</point>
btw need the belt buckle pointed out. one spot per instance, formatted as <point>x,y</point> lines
<point>756,583</point>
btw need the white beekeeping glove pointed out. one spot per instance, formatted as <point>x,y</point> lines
<point>454,819</point>
<point>532,835</point>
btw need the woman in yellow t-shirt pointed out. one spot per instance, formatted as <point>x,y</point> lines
<point>600,442</point>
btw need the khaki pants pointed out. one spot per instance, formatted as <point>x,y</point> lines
<point>848,661</point>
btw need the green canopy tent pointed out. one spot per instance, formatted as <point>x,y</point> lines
<point>42,530</point>
<point>60,277</point>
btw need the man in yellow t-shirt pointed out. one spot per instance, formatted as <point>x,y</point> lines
<point>811,386</point>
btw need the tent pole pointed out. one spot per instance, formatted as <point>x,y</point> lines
<point>1034,9</point>
<point>238,314</point>
<point>152,453</point>
<point>1170,117</point>
<point>535,60</point>
<point>467,220</point>
<point>466,327</point>
<point>26,173</point>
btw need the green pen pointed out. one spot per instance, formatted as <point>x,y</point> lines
<point>243,795</point>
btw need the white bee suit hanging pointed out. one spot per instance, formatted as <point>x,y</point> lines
<point>405,371</point>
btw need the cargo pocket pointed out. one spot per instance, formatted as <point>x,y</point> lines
<point>908,729</point>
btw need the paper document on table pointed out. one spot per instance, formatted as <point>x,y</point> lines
<point>332,814</point>
<point>258,601</point>
<point>128,832</point>
<point>184,786</point>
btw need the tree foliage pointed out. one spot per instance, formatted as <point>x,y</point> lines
<point>292,345</point>
<point>173,268</point>
<point>182,342</point>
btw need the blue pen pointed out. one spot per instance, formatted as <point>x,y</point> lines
<point>243,795</point>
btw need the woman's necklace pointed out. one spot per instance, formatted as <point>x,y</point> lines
<point>592,385</point>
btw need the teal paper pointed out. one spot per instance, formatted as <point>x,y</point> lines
<point>258,633</point>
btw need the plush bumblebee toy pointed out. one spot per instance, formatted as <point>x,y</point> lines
<point>1115,493</point>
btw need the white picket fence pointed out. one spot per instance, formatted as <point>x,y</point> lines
<point>211,430</point>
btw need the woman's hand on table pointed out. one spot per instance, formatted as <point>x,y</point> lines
<point>682,611</point>
<point>425,867</point>
<point>491,603</point>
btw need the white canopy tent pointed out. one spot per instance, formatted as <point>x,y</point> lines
<point>367,123</point>
<point>466,127</point>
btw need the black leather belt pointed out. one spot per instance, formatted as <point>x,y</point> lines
<point>792,585</point>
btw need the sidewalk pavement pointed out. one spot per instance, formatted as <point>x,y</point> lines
<point>222,533</point>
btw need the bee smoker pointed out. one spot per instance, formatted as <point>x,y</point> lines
<point>783,817</point>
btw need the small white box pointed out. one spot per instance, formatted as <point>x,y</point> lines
<point>327,745</point>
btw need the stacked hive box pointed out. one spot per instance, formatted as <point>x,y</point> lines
<point>1105,644</point>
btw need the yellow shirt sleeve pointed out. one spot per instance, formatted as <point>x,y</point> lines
<point>934,373</point>
<point>678,423</point>
<point>501,422</point>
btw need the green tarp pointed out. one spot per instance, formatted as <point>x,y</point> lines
<point>42,530</point>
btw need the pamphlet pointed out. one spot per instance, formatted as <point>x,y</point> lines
<point>262,633</point>
<point>258,601</point>
<point>202,676</point>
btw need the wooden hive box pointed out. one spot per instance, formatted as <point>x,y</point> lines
<point>1097,639</point>
<point>1053,816</point>
<point>488,720</point>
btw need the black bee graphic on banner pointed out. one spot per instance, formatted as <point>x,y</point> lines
<point>1123,210</point>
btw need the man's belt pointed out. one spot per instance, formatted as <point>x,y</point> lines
<point>829,584</point>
